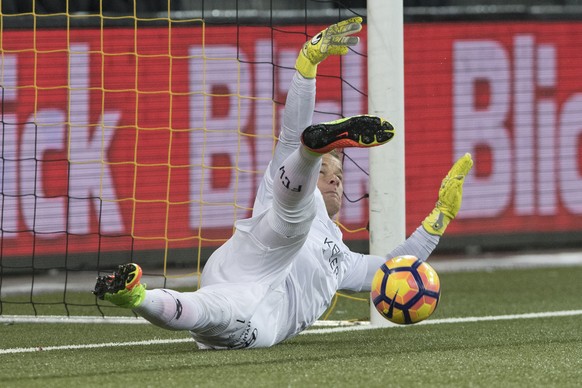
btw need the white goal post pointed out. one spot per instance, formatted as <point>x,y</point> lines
<point>386,99</point>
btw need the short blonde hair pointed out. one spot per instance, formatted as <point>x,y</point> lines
<point>336,153</point>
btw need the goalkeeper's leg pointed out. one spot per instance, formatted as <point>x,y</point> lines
<point>297,116</point>
<point>203,311</point>
<point>300,102</point>
<point>293,187</point>
<point>165,308</point>
<point>293,207</point>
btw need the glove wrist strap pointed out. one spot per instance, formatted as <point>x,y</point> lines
<point>436,222</point>
<point>305,67</point>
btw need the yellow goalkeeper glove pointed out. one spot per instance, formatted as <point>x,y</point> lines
<point>334,40</point>
<point>450,197</point>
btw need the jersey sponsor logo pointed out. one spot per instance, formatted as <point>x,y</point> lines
<point>331,252</point>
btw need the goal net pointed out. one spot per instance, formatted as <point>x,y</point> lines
<point>141,135</point>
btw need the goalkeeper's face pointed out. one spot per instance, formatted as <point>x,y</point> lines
<point>330,183</point>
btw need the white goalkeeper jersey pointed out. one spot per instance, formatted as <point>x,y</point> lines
<point>275,289</point>
<point>274,295</point>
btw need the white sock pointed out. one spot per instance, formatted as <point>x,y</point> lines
<point>174,310</point>
<point>293,188</point>
<point>169,309</point>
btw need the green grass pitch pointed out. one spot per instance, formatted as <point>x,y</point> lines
<point>542,351</point>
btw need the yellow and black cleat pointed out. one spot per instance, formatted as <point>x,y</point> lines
<point>123,287</point>
<point>355,131</point>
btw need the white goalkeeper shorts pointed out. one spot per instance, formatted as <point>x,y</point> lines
<point>246,278</point>
<point>255,316</point>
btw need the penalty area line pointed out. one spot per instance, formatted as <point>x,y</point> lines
<point>549,314</point>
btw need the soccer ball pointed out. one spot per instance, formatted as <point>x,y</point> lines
<point>405,290</point>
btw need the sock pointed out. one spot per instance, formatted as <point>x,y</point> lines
<point>196,311</point>
<point>293,188</point>
<point>169,309</point>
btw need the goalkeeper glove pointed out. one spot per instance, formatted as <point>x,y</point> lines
<point>450,197</point>
<point>334,40</point>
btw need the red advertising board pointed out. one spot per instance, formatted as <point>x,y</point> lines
<point>510,94</point>
<point>157,138</point>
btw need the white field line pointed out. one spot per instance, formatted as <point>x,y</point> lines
<point>60,319</point>
<point>549,314</point>
<point>517,261</point>
<point>83,281</point>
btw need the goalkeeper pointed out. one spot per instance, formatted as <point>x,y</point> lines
<point>282,267</point>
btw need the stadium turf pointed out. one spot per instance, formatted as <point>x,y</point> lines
<point>540,351</point>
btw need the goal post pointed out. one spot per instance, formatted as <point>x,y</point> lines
<point>386,99</point>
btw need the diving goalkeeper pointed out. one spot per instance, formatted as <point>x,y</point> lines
<point>282,267</point>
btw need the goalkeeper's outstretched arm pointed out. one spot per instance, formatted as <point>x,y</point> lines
<point>426,237</point>
<point>450,197</point>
